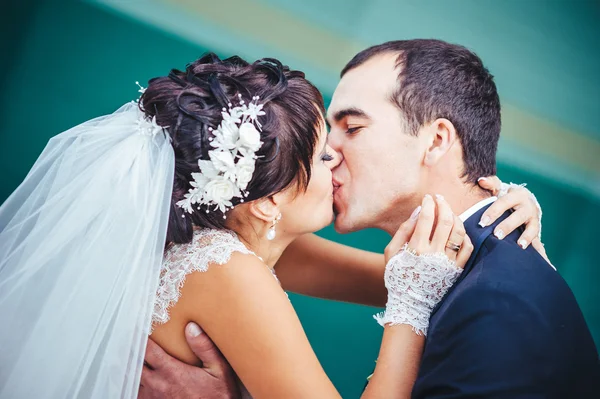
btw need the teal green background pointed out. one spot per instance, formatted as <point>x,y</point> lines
<point>64,63</point>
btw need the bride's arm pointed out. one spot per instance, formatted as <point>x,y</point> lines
<point>321,268</point>
<point>415,284</point>
<point>318,267</point>
<point>397,365</point>
<point>243,309</point>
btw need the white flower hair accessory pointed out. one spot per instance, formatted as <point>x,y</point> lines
<point>145,125</point>
<point>231,166</point>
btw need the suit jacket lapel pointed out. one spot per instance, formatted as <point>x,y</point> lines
<point>478,235</point>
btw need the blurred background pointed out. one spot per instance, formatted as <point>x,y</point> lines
<point>65,62</point>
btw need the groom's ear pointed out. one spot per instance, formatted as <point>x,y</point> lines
<point>441,137</point>
<point>266,208</point>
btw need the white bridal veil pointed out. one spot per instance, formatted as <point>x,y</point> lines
<point>81,244</point>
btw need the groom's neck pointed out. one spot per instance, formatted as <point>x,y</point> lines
<point>459,195</point>
<point>461,199</point>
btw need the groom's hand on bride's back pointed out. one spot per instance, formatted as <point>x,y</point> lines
<point>164,376</point>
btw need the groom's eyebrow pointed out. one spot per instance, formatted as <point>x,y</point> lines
<point>352,111</point>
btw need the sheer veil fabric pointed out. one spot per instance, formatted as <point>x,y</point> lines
<point>81,246</point>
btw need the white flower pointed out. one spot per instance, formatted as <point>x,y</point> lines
<point>233,116</point>
<point>244,172</point>
<point>219,192</point>
<point>186,205</point>
<point>254,110</point>
<point>199,181</point>
<point>228,134</point>
<point>190,198</point>
<point>249,137</point>
<point>224,162</point>
<point>208,169</point>
<point>222,178</point>
<point>148,127</point>
<point>142,88</point>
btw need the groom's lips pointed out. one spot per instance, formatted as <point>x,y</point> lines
<point>336,185</point>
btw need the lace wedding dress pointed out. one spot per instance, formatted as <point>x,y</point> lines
<point>415,282</point>
<point>208,246</point>
<point>80,297</point>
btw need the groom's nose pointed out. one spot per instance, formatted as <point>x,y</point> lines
<point>337,158</point>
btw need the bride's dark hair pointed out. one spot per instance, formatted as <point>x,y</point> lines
<point>189,102</point>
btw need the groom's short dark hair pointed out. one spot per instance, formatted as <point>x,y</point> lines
<point>443,80</point>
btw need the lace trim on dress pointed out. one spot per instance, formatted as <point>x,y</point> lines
<point>207,246</point>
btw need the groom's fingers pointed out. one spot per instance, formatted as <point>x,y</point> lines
<point>203,347</point>
<point>148,380</point>
<point>155,357</point>
<point>152,384</point>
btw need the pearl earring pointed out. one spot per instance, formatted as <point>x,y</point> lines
<point>271,233</point>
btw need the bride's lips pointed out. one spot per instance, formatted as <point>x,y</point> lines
<point>336,185</point>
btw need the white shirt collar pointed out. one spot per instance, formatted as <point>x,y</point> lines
<point>473,210</point>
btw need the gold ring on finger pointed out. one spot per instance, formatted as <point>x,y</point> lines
<point>452,246</point>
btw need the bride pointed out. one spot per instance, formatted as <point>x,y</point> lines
<point>176,209</point>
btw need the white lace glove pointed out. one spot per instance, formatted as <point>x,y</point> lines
<point>415,284</point>
<point>504,188</point>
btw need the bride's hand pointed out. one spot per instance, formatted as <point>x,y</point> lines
<point>527,213</point>
<point>425,235</point>
<point>424,259</point>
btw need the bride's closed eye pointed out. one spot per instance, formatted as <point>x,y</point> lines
<point>326,157</point>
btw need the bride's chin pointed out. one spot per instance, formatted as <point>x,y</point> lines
<point>330,219</point>
<point>326,222</point>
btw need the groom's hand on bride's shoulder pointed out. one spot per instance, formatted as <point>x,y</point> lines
<point>164,376</point>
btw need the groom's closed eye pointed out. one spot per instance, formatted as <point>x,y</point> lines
<point>354,129</point>
<point>348,118</point>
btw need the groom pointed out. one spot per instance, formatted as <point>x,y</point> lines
<point>423,116</point>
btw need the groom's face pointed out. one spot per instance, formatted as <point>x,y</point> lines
<point>376,183</point>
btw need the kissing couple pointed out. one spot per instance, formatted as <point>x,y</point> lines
<point>187,214</point>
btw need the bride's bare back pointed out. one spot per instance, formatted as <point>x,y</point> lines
<point>236,300</point>
<point>180,281</point>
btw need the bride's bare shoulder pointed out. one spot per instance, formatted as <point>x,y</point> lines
<point>206,294</point>
<point>237,270</point>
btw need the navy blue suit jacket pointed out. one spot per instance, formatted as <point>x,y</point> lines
<point>510,327</point>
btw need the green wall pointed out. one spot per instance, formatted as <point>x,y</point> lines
<point>64,65</point>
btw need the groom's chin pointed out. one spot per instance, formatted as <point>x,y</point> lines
<point>339,225</point>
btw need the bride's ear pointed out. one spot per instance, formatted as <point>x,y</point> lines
<point>265,209</point>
